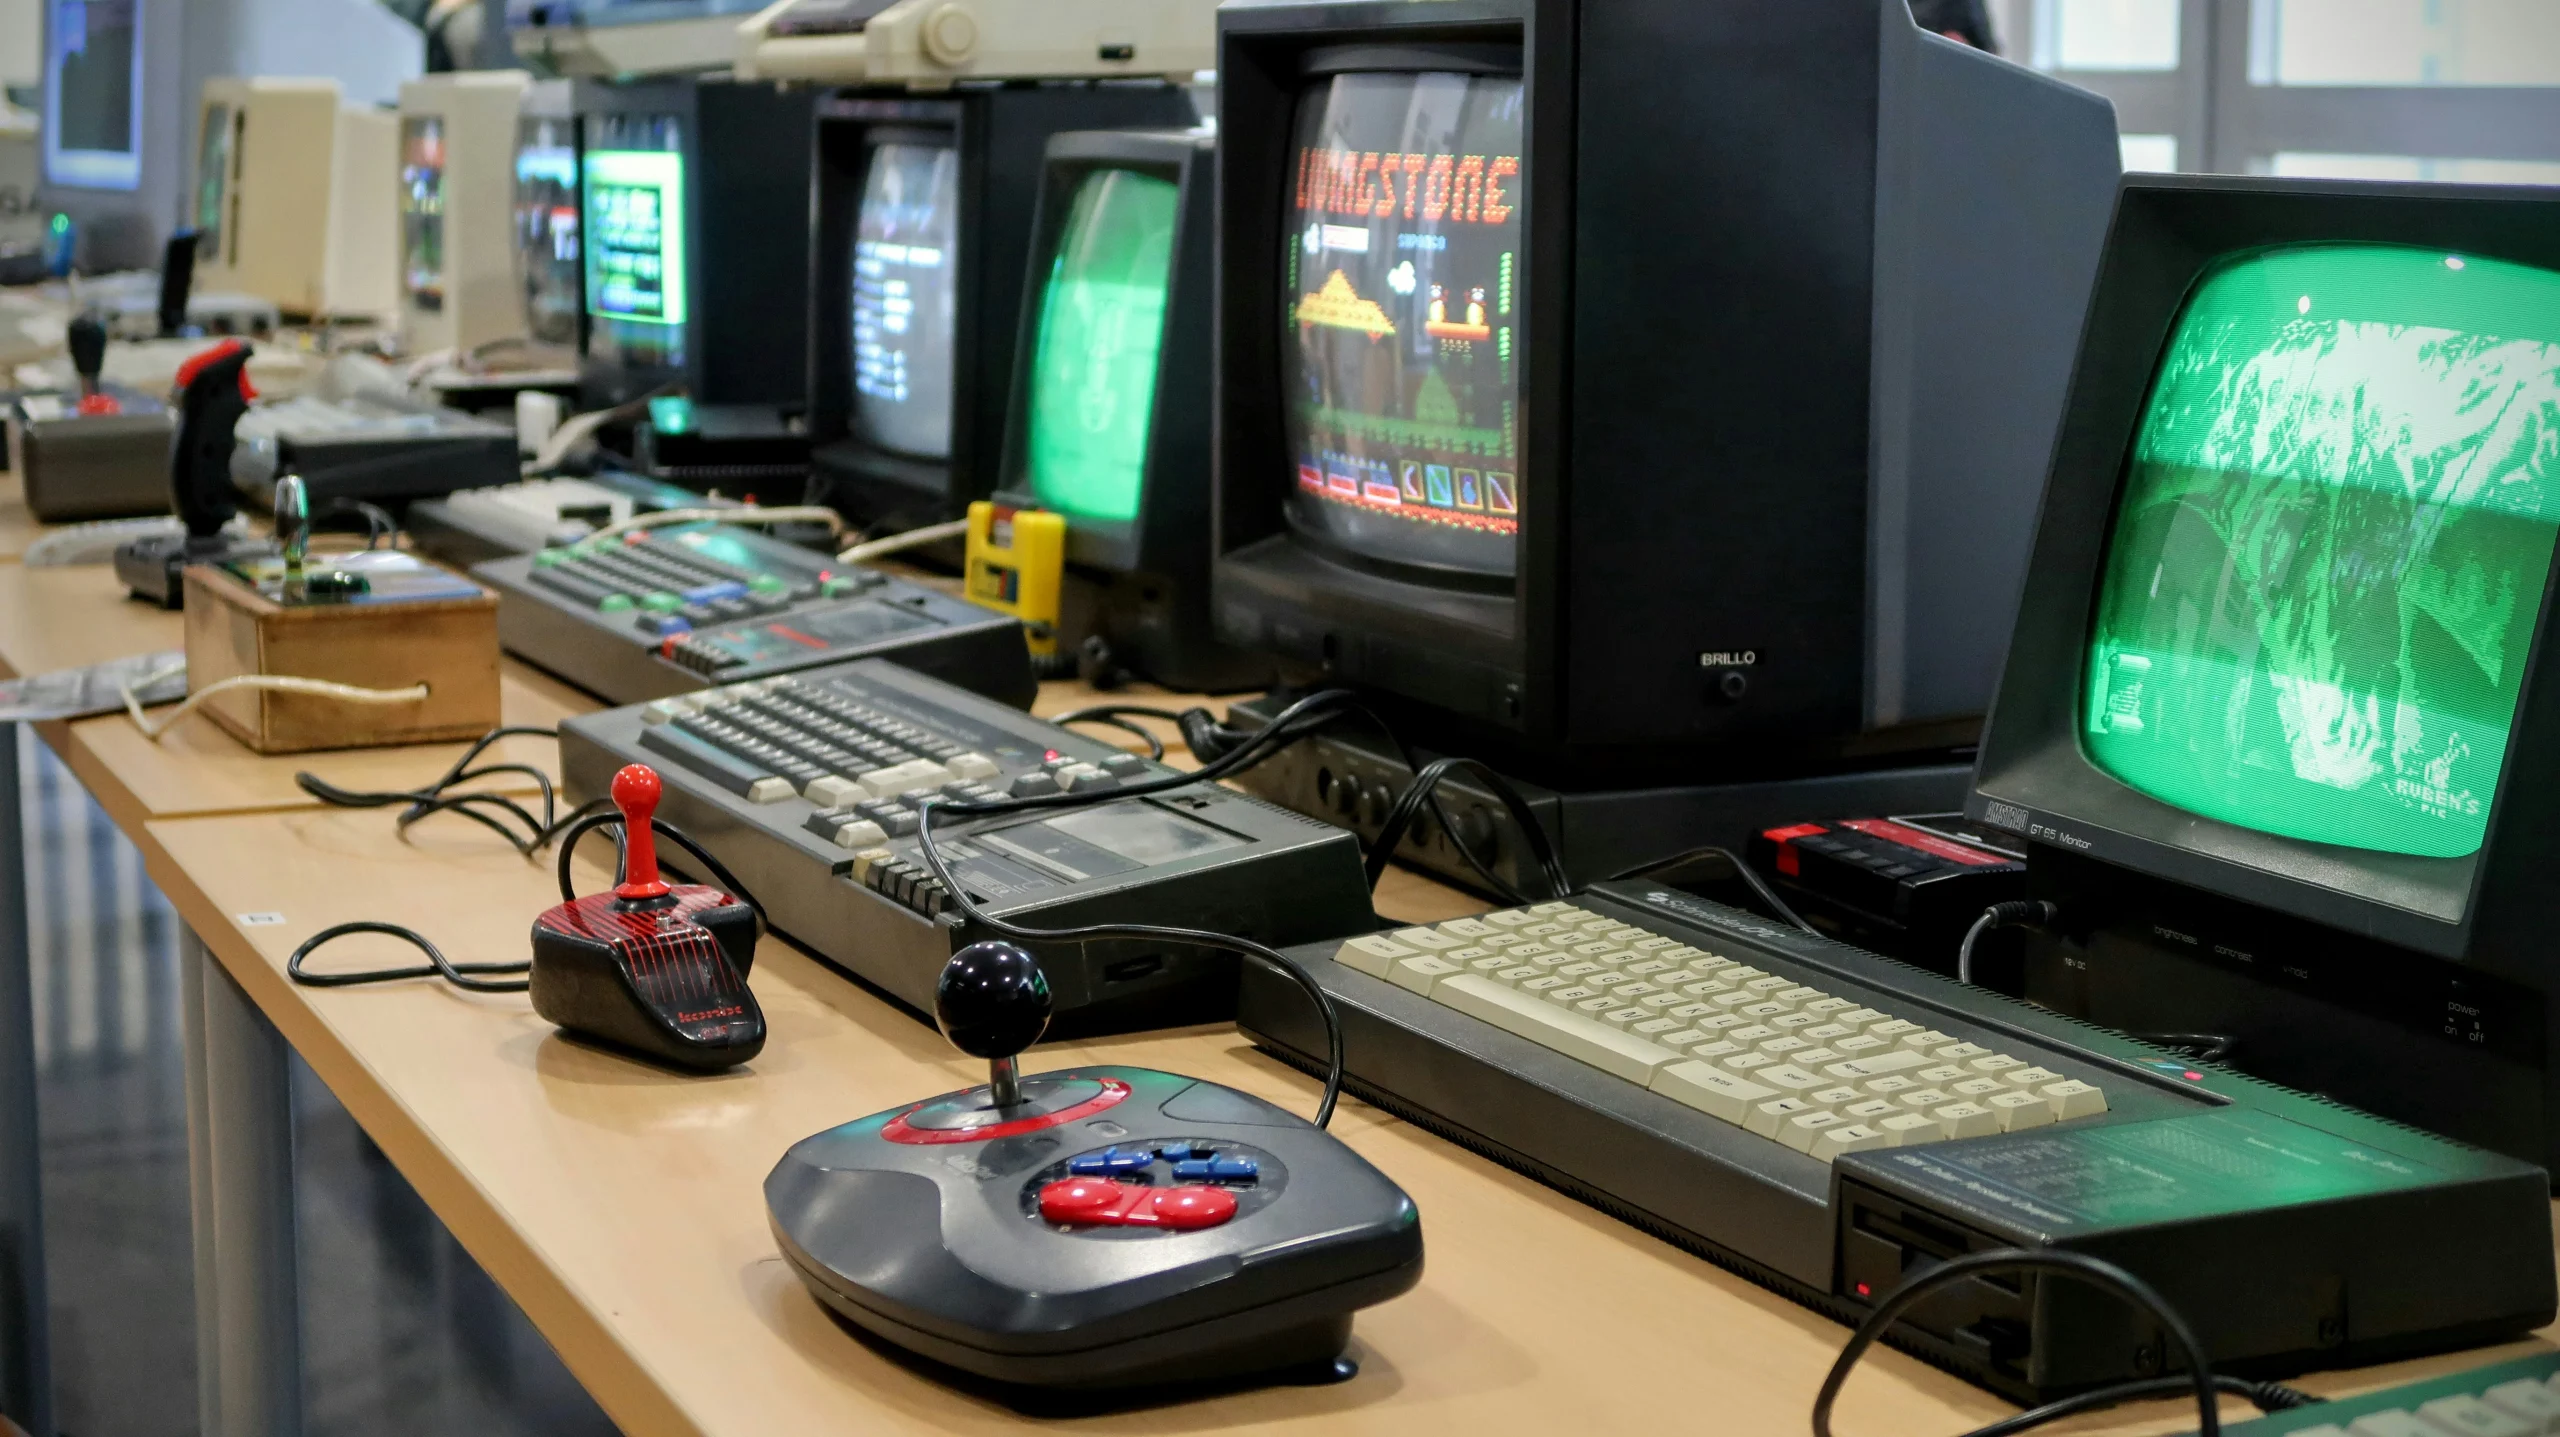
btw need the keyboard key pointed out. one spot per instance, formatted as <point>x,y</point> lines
<point>1910,1130</point>
<point>1799,1131</point>
<point>2019,1111</point>
<point>1609,1049</point>
<point>2030,1077</point>
<point>1370,953</point>
<point>1925,1042</point>
<point>1978,1088</point>
<point>1876,1065</point>
<point>1765,1118</point>
<point>1967,1120</point>
<point>1995,1064</point>
<point>1871,1110</point>
<point>1468,928</point>
<point>1419,973</point>
<point>1954,1052</point>
<point>1888,1085</point>
<point>1709,1089</point>
<point>1425,938</point>
<point>1850,1137</point>
<point>1786,1077</point>
<point>2393,1423</point>
<point>2468,1416</point>
<point>2529,1402</point>
<point>749,781</point>
<point>1921,1100</point>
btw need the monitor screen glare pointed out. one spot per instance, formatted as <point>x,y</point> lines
<point>1401,363</point>
<point>214,160</point>
<point>634,233</point>
<point>1093,375</point>
<point>422,211</point>
<point>2332,546</point>
<point>905,251</point>
<point>93,95</point>
<point>547,228</point>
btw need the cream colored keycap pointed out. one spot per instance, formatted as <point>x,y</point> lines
<point>1924,1043</point>
<point>1624,1017</point>
<point>1797,1020</point>
<point>1751,1034</point>
<point>1870,1110</point>
<point>1551,909</point>
<point>1603,1047</point>
<point>1967,1120</point>
<point>1652,1027</point>
<point>1492,963</point>
<point>1569,994</point>
<point>1647,967</point>
<point>1511,918</point>
<point>1420,972</point>
<point>1959,1052</point>
<point>1978,1088</point>
<point>1849,1137</point>
<point>1596,1004</point>
<point>1371,953</point>
<point>1638,990</point>
<point>1467,927</point>
<point>1908,1130</point>
<point>1815,1058</point>
<point>1921,1100</point>
<point>2463,1415</point>
<point>2019,1111</point>
<point>1822,1032</point>
<point>1747,1062</point>
<point>1518,977</point>
<point>1544,984</point>
<point>2529,1402</point>
<point>1764,1118</point>
<point>1994,1065</point>
<point>1679,1037</point>
<point>1893,1030</point>
<point>1942,1073</point>
<point>1781,1046</point>
<point>1799,1131</point>
<point>1888,1085</point>
<point>1710,1089</point>
<point>1861,1045</point>
<point>1835,1096</point>
<point>1877,1064</point>
<point>1861,1018</point>
<point>1719,1049</point>
<point>2029,1077</point>
<point>1579,969</point>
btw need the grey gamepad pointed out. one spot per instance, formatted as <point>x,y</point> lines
<point>1090,1228</point>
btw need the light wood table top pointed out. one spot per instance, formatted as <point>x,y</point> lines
<point>18,528</point>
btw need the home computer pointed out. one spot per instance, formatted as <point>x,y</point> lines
<point>1109,423</point>
<point>922,226</point>
<point>292,201</point>
<point>607,38</point>
<point>458,145</point>
<point>2275,730</point>
<point>1655,410</point>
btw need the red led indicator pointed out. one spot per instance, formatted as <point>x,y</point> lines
<point>1053,753</point>
<point>1865,1291</point>
<point>2194,1077</point>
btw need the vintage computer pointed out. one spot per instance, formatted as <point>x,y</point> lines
<point>608,38</point>
<point>293,200</point>
<point>1109,422</point>
<point>1648,400</point>
<point>922,225</point>
<point>458,147</point>
<point>550,284</point>
<point>694,269</point>
<point>2276,729</point>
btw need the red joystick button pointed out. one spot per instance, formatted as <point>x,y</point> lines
<point>95,405</point>
<point>635,792</point>
<point>1100,1202</point>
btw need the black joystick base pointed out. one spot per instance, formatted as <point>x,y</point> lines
<point>1092,1229</point>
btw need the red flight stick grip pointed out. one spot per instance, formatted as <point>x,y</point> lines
<point>635,792</point>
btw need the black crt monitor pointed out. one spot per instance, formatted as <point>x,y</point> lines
<point>922,223</point>
<point>1109,421</point>
<point>694,217</point>
<point>2278,724</point>
<point>1641,393</point>
<point>549,277</point>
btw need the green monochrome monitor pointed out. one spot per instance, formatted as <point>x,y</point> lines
<point>2331,547</point>
<point>1093,371</point>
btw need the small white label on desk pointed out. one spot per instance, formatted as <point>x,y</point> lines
<point>260,920</point>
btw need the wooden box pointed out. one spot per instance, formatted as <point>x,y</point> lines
<point>448,644</point>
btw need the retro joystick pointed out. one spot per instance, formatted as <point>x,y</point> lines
<point>653,967</point>
<point>213,394</point>
<point>86,338</point>
<point>1090,1229</point>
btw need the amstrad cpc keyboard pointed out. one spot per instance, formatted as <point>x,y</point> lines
<point>807,785</point>
<point>651,612</point>
<point>1825,1120</point>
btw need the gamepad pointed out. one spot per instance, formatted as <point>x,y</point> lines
<point>1090,1228</point>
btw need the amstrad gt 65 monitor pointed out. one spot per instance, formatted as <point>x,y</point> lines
<point>2279,724</point>
<point>923,223</point>
<point>1639,395</point>
<point>1109,422</point>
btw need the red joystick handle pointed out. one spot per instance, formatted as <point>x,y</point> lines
<point>635,792</point>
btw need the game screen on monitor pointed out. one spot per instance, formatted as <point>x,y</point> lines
<point>547,228</point>
<point>93,100</point>
<point>213,181</point>
<point>904,295</point>
<point>1400,359</point>
<point>634,235</point>
<point>422,211</point>
<point>2332,545</point>
<point>1093,365</point>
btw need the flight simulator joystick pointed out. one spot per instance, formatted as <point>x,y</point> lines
<point>1091,1228</point>
<point>213,393</point>
<point>656,968</point>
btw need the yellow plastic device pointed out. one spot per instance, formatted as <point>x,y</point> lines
<point>1017,563</point>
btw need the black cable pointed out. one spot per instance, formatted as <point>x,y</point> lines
<point>1750,876</point>
<point>378,523</point>
<point>578,828</point>
<point>2265,1396</point>
<point>2096,1272</point>
<point>1111,714</point>
<point>459,975</point>
<point>1419,792</point>
<point>2000,915</point>
<point>434,798</point>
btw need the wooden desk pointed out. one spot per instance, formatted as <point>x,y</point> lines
<point>18,528</point>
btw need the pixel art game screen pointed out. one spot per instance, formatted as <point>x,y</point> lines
<point>905,298</point>
<point>1401,281</point>
<point>635,242</point>
<point>2332,546</point>
<point>1093,367</point>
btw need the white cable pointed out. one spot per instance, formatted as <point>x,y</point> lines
<point>748,514</point>
<point>573,431</point>
<point>285,683</point>
<point>896,543</point>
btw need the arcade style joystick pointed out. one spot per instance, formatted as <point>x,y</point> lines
<point>86,338</point>
<point>653,967</point>
<point>1091,1228</point>
<point>213,392</point>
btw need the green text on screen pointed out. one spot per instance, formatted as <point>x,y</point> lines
<point>1093,377</point>
<point>635,236</point>
<point>2332,547</point>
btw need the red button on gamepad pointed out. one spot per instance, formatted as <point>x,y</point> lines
<point>1100,1202</point>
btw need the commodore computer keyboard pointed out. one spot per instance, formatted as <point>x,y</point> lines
<point>1826,1121</point>
<point>651,612</point>
<point>806,785</point>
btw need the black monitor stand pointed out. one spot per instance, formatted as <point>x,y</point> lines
<point>1350,774</point>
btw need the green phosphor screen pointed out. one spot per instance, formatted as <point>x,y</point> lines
<point>1093,375</point>
<point>2332,547</point>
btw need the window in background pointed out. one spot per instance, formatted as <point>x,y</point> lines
<point>2309,164</point>
<point>2405,42</point>
<point>2106,35</point>
<point>2149,154</point>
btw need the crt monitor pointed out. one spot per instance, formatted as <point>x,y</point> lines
<point>1109,422</point>
<point>295,197</point>
<point>93,94</point>
<point>457,209</point>
<point>550,296</point>
<point>921,228</point>
<point>693,222</point>
<point>2279,725</point>
<point>1641,393</point>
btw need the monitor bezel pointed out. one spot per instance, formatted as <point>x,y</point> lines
<point>116,171</point>
<point>616,381</point>
<point>2034,776</point>
<point>1177,435</point>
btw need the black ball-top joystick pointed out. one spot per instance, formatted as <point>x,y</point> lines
<point>992,1002</point>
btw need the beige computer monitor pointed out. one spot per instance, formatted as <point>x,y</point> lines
<point>291,200</point>
<point>454,248</point>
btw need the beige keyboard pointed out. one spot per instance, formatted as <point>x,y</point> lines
<point>1823,1075</point>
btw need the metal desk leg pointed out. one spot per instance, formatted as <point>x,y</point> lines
<point>240,1162</point>
<point>26,1368</point>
